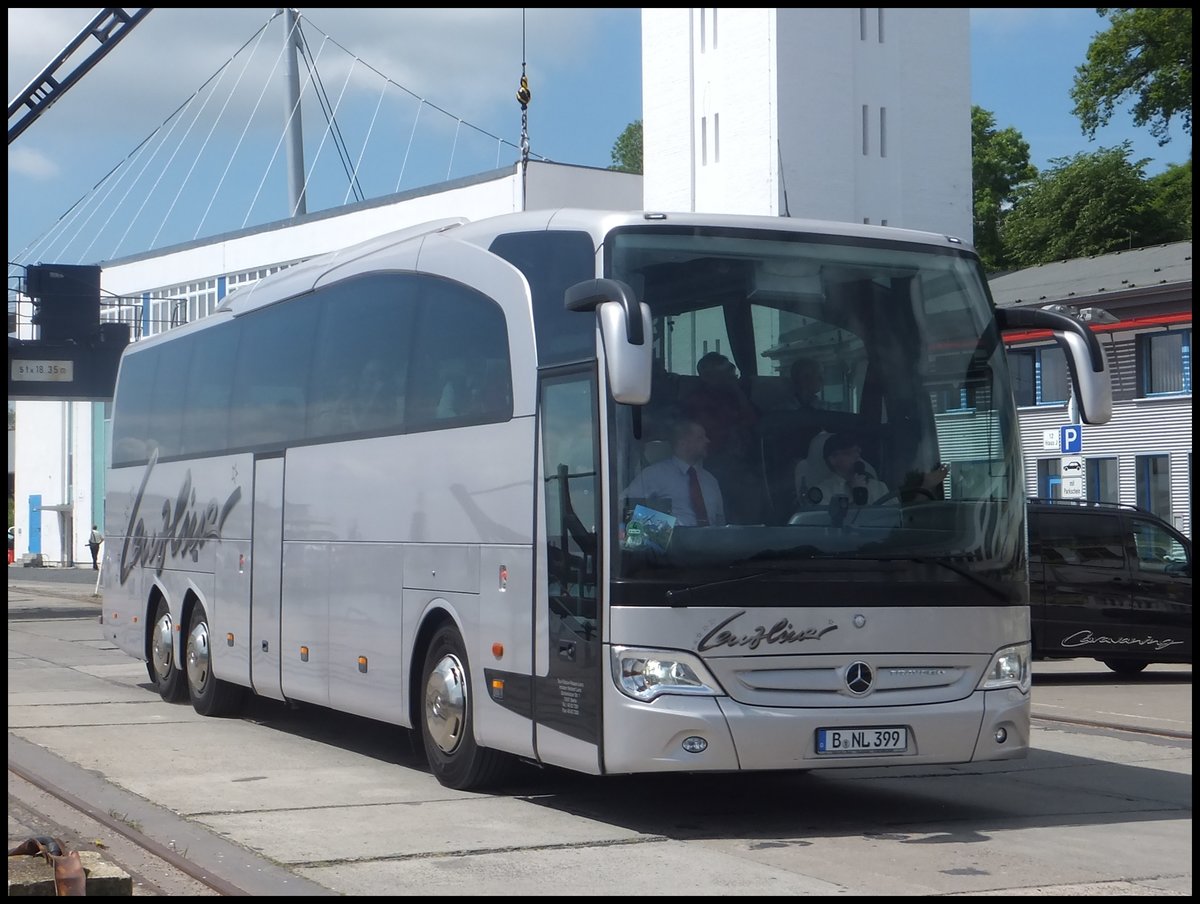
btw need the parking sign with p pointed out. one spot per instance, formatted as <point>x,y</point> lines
<point>1072,438</point>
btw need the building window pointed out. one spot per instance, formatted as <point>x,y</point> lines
<point>880,19</point>
<point>1039,375</point>
<point>1102,479</point>
<point>1165,362</point>
<point>882,129</point>
<point>1049,479</point>
<point>960,399</point>
<point>1154,485</point>
<point>704,141</point>
<point>862,24</point>
<point>866,132</point>
<point>714,28</point>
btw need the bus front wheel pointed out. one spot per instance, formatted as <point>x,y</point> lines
<point>210,695</point>
<point>161,666</point>
<point>447,718</point>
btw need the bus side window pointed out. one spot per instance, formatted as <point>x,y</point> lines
<point>461,371</point>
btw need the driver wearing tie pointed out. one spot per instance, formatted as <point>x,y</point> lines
<point>693,492</point>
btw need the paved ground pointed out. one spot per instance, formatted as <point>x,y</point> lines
<point>320,804</point>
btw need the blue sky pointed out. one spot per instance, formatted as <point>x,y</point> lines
<point>450,110</point>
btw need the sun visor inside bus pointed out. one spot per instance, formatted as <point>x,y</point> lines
<point>675,288</point>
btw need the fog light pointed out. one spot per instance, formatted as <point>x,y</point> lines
<point>695,744</point>
<point>1001,735</point>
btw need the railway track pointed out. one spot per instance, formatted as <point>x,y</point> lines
<point>43,808</point>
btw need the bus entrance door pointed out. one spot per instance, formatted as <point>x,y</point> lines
<point>569,677</point>
<point>265,571</point>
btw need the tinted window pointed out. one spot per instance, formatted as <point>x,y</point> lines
<point>131,411</point>
<point>331,365</point>
<point>1076,538</point>
<point>273,363</point>
<point>460,367</point>
<point>552,262</point>
<point>209,387</point>
<point>362,354</point>
<point>1157,548</point>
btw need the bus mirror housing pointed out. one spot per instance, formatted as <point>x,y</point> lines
<point>624,331</point>
<point>1090,373</point>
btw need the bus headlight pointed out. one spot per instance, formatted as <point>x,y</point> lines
<point>647,674</point>
<point>1009,668</point>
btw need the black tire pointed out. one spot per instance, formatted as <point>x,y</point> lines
<point>1126,667</point>
<point>164,672</point>
<point>447,719</point>
<point>210,695</point>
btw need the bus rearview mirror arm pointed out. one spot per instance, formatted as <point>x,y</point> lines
<point>587,296</point>
<point>624,327</point>
<point>1090,374</point>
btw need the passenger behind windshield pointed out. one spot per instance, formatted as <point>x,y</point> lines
<point>720,404</point>
<point>806,385</point>
<point>850,477</point>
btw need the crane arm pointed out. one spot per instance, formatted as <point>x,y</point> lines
<point>108,27</point>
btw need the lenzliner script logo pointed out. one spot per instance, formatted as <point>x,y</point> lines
<point>183,530</point>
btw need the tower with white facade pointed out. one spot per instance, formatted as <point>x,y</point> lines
<point>857,115</point>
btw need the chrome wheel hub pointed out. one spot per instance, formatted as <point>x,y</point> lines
<point>160,645</point>
<point>198,658</point>
<point>446,703</point>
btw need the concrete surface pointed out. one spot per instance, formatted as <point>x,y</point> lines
<point>304,801</point>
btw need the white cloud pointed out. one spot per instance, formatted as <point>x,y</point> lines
<point>33,164</point>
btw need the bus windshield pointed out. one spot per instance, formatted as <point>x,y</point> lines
<point>820,404</point>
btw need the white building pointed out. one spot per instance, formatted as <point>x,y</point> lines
<point>858,115</point>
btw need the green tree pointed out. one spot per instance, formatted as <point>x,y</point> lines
<point>1145,57</point>
<point>1171,192</point>
<point>999,163</point>
<point>627,151</point>
<point>1088,204</point>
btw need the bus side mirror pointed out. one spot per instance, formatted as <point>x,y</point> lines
<point>624,332</point>
<point>1090,374</point>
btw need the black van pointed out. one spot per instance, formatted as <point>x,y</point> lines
<point>1110,582</point>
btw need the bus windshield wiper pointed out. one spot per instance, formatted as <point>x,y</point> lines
<point>679,598</point>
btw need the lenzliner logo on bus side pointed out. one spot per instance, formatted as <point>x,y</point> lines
<point>184,530</point>
<point>783,631</point>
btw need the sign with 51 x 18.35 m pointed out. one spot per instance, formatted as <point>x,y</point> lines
<point>43,371</point>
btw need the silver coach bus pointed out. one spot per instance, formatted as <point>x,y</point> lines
<point>410,480</point>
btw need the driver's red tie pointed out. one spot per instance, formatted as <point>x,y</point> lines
<point>697,498</point>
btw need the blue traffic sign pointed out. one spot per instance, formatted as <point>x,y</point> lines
<point>1071,438</point>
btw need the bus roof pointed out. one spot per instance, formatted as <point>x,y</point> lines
<point>303,277</point>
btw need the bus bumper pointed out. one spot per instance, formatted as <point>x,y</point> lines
<point>662,736</point>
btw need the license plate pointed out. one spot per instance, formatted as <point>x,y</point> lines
<point>862,740</point>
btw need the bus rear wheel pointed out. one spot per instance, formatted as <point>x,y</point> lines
<point>447,718</point>
<point>210,695</point>
<point>160,665</point>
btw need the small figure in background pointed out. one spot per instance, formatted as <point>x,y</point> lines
<point>95,538</point>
